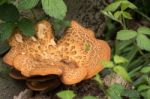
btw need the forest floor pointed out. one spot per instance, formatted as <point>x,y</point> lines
<point>86,12</point>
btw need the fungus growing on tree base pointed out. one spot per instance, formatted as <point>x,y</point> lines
<point>74,58</point>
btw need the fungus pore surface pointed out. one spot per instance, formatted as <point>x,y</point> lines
<point>75,57</point>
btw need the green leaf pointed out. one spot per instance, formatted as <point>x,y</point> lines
<point>27,27</point>
<point>27,4</point>
<point>6,30</point>
<point>126,34</point>
<point>144,30</point>
<point>124,6</point>
<point>113,6</point>
<point>130,5</point>
<point>66,94</point>
<point>143,87</point>
<point>143,42</point>
<point>119,59</point>
<point>132,94</point>
<point>115,91</point>
<point>122,72</point>
<point>110,15</point>
<point>117,14</point>
<point>55,8</point>
<point>107,64</point>
<point>4,47</point>
<point>145,70</point>
<point>90,97</point>
<point>126,15</point>
<point>9,13</point>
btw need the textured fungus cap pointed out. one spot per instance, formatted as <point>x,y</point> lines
<point>75,57</point>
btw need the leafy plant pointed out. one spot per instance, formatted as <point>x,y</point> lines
<point>118,11</point>
<point>117,91</point>
<point>117,65</point>
<point>53,8</point>
<point>144,90</point>
<point>66,94</point>
<point>140,36</point>
<point>26,26</point>
<point>27,4</point>
<point>12,19</point>
<point>90,97</point>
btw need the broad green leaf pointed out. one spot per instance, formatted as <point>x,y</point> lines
<point>124,6</point>
<point>107,64</point>
<point>126,34</point>
<point>126,15</point>
<point>27,4</point>
<point>27,27</point>
<point>55,8</point>
<point>119,59</point>
<point>4,47</point>
<point>110,15</point>
<point>117,14</point>
<point>6,30</point>
<point>90,97</point>
<point>143,87</point>
<point>66,94</point>
<point>145,69</point>
<point>113,6</point>
<point>115,91</point>
<point>122,72</point>
<point>9,13</point>
<point>130,5</point>
<point>143,42</point>
<point>144,30</point>
<point>132,94</point>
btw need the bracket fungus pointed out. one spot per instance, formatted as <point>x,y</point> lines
<point>75,57</point>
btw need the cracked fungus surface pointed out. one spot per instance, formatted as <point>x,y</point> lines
<point>75,57</point>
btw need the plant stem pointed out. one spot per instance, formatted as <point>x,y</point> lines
<point>142,14</point>
<point>124,23</point>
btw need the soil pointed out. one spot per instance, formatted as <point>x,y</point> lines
<point>86,12</point>
<point>85,88</point>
